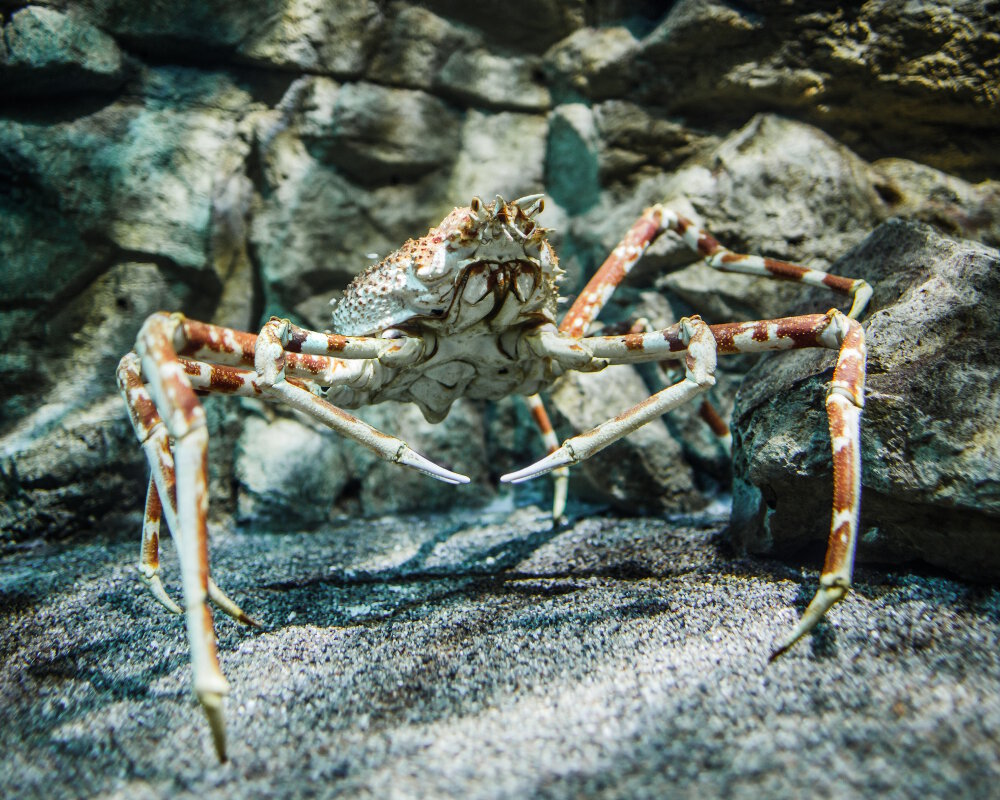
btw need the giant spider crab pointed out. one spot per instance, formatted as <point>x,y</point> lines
<point>469,310</point>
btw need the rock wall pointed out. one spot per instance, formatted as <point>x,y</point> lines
<point>236,162</point>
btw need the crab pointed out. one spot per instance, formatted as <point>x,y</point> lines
<point>468,310</point>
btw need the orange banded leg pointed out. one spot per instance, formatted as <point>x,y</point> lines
<point>706,411</point>
<point>160,383</point>
<point>560,474</point>
<point>162,484</point>
<point>271,359</point>
<point>171,398</point>
<point>844,401</point>
<point>149,550</point>
<point>657,219</point>
<point>695,338</point>
<point>611,273</point>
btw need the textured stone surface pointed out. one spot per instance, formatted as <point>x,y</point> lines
<point>644,472</point>
<point>46,51</point>
<point>487,657</point>
<point>920,79</point>
<point>233,160</point>
<point>930,446</point>
<point>374,134</point>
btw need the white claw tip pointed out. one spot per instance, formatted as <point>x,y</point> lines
<point>557,458</point>
<point>410,458</point>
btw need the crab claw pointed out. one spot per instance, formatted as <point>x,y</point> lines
<point>824,600</point>
<point>411,458</point>
<point>562,457</point>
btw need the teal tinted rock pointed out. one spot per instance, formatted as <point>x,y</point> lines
<point>143,177</point>
<point>51,52</point>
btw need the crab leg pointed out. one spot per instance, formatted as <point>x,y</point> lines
<point>149,550</point>
<point>706,411</point>
<point>153,436</point>
<point>844,401</point>
<point>611,273</point>
<point>214,347</point>
<point>174,402</point>
<point>282,350</point>
<point>560,474</point>
<point>695,337</point>
<point>650,226</point>
<point>270,362</point>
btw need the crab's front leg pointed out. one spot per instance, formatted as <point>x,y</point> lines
<point>844,401</point>
<point>695,337</point>
<point>171,407</point>
<point>159,384</point>
<point>279,337</point>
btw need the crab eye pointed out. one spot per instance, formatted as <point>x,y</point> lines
<point>475,205</point>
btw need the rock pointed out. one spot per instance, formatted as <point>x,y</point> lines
<point>109,168</point>
<point>633,141</point>
<point>951,205</point>
<point>643,473</point>
<point>314,36</point>
<point>521,25</point>
<point>289,474</point>
<point>376,135</point>
<point>501,153</point>
<point>595,63</point>
<point>72,434</point>
<point>917,77</point>
<point>45,51</point>
<point>414,47</point>
<point>51,463</point>
<point>484,80</point>
<point>293,473</point>
<point>571,158</point>
<point>929,433</point>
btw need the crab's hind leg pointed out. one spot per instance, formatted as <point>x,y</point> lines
<point>149,550</point>
<point>719,257</point>
<point>560,475</point>
<point>844,402</point>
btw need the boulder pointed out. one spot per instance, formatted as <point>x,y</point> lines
<point>930,447</point>
<point>46,52</point>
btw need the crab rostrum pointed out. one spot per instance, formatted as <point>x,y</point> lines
<point>469,310</point>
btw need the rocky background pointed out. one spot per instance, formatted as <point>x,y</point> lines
<point>235,164</point>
